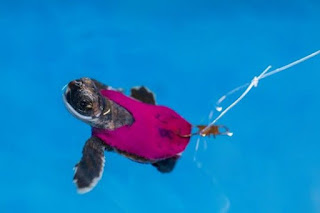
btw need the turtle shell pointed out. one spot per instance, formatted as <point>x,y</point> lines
<point>156,132</point>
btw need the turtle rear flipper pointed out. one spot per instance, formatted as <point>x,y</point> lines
<point>90,168</point>
<point>143,94</point>
<point>166,165</point>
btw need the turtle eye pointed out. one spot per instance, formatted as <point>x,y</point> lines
<point>89,106</point>
<point>85,104</point>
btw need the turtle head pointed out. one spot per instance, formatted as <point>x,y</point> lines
<point>83,99</point>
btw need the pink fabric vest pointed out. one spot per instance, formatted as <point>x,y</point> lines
<point>154,134</point>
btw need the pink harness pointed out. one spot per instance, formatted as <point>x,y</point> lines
<point>154,134</point>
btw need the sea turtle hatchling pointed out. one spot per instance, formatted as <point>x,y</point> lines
<point>134,127</point>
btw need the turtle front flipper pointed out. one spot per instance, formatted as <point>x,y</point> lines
<point>90,168</point>
<point>143,94</point>
<point>166,165</point>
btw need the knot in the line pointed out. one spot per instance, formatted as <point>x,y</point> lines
<point>255,81</point>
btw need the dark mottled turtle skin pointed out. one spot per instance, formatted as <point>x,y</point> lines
<point>83,99</point>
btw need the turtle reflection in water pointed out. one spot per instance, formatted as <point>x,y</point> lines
<point>134,127</point>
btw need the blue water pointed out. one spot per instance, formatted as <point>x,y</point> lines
<point>189,53</point>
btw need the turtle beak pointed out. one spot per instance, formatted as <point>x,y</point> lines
<point>76,84</point>
<point>72,86</point>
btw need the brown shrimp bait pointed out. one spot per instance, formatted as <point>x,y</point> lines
<point>213,130</point>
